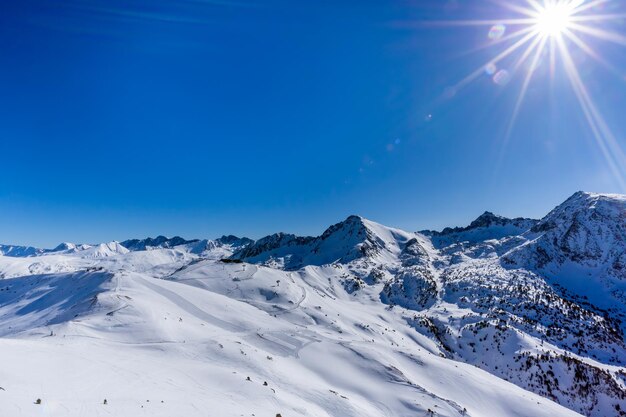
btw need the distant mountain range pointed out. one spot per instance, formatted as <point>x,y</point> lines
<point>540,304</point>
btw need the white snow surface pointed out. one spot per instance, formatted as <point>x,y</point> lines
<point>364,320</point>
<point>156,347</point>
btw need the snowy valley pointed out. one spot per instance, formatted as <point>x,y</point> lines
<point>504,317</point>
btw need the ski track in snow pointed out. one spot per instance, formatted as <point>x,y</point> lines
<point>190,307</point>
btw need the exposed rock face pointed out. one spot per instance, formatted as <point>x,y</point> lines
<point>414,253</point>
<point>157,242</point>
<point>488,219</point>
<point>234,241</point>
<point>414,289</point>
<point>278,244</point>
<point>487,226</point>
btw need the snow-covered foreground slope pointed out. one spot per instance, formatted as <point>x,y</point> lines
<point>160,348</point>
<point>364,320</point>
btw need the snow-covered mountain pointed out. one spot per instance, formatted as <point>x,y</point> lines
<point>157,242</point>
<point>486,226</point>
<point>588,231</point>
<point>68,247</point>
<point>506,317</point>
<point>350,240</point>
<point>19,251</point>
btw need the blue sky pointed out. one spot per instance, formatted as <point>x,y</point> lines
<point>124,119</point>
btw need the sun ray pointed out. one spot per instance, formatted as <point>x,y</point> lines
<point>552,59</point>
<point>597,17</point>
<point>536,5</point>
<point>600,34</point>
<point>538,47</point>
<point>533,46</point>
<point>482,22</point>
<point>590,52</point>
<point>520,99</point>
<point>515,8</point>
<point>603,136</point>
<point>587,6</point>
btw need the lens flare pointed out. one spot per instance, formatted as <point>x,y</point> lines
<point>502,77</point>
<point>491,68</point>
<point>497,32</point>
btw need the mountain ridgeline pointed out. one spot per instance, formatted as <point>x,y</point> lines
<point>538,303</point>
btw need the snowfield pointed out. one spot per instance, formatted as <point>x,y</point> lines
<point>364,320</point>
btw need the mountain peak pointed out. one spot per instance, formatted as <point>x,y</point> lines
<point>19,251</point>
<point>586,197</point>
<point>487,226</point>
<point>157,242</point>
<point>354,223</point>
<point>585,232</point>
<point>351,239</point>
<point>104,250</point>
<point>354,218</point>
<point>487,219</point>
<point>64,246</point>
<point>587,205</point>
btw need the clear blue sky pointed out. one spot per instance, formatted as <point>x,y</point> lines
<point>131,118</point>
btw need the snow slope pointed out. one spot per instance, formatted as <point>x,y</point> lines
<point>155,347</point>
<point>363,320</point>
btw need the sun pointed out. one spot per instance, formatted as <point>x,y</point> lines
<point>554,19</point>
<point>554,37</point>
